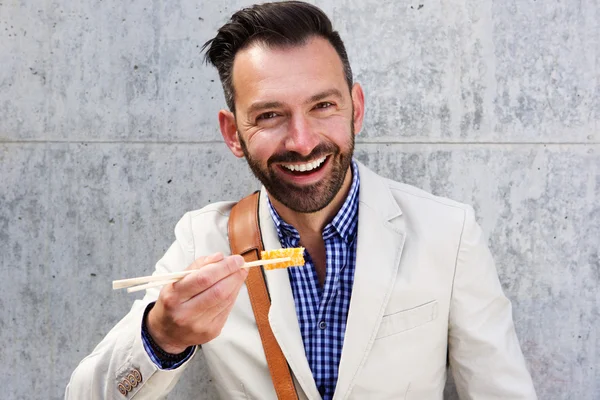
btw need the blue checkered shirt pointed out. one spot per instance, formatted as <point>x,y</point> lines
<point>323,311</point>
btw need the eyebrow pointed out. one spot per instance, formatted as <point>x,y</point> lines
<point>323,95</point>
<point>264,105</point>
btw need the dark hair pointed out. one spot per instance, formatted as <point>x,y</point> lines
<point>279,24</point>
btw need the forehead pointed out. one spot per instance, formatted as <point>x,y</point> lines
<point>262,73</point>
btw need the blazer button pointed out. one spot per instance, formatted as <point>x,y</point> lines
<point>137,375</point>
<point>122,389</point>
<point>127,385</point>
<point>132,380</point>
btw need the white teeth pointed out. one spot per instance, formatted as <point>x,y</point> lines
<point>306,167</point>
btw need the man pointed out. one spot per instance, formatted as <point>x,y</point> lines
<point>397,284</point>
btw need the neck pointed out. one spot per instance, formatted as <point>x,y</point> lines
<point>315,222</point>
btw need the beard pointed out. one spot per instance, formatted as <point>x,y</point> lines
<point>305,198</point>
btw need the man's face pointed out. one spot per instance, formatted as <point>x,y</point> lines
<point>295,121</point>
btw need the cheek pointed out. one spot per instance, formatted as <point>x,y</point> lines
<point>337,130</point>
<point>264,144</point>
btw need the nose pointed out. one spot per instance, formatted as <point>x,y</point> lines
<point>301,138</point>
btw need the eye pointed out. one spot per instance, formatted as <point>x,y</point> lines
<point>267,115</point>
<point>324,104</point>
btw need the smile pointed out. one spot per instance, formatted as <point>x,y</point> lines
<point>306,167</point>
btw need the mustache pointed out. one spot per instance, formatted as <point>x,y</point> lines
<point>293,157</point>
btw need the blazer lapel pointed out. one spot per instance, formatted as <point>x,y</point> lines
<point>378,256</point>
<point>282,314</point>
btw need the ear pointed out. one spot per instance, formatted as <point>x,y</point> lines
<point>358,102</point>
<point>229,132</point>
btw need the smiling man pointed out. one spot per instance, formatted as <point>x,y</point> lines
<point>294,122</point>
<point>398,283</point>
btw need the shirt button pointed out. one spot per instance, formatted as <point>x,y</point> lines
<point>322,325</point>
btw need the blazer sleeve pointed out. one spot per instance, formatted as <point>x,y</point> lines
<point>119,367</point>
<point>483,349</point>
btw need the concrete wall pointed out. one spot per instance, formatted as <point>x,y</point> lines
<point>108,134</point>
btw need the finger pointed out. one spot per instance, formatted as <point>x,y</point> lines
<point>213,300</point>
<point>220,319</point>
<point>217,319</point>
<point>223,314</point>
<point>209,274</point>
<point>170,292</point>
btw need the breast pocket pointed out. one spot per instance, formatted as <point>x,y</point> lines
<point>405,320</point>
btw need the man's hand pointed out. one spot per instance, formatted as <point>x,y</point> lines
<point>193,310</point>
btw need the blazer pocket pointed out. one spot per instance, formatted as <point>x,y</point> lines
<point>407,319</point>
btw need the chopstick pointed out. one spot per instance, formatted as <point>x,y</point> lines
<point>146,282</point>
<point>145,286</point>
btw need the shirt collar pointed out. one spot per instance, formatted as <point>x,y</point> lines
<point>345,222</point>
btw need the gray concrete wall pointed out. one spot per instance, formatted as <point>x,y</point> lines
<point>108,134</point>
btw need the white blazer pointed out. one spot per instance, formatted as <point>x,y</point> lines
<point>426,293</point>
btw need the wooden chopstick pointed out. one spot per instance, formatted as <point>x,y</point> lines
<point>125,283</point>
<point>150,285</point>
<point>146,282</point>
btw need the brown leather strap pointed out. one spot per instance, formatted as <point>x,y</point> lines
<point>245,239</point>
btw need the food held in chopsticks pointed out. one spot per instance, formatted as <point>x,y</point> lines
<point>295,255</point>
<point>271,259</point>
